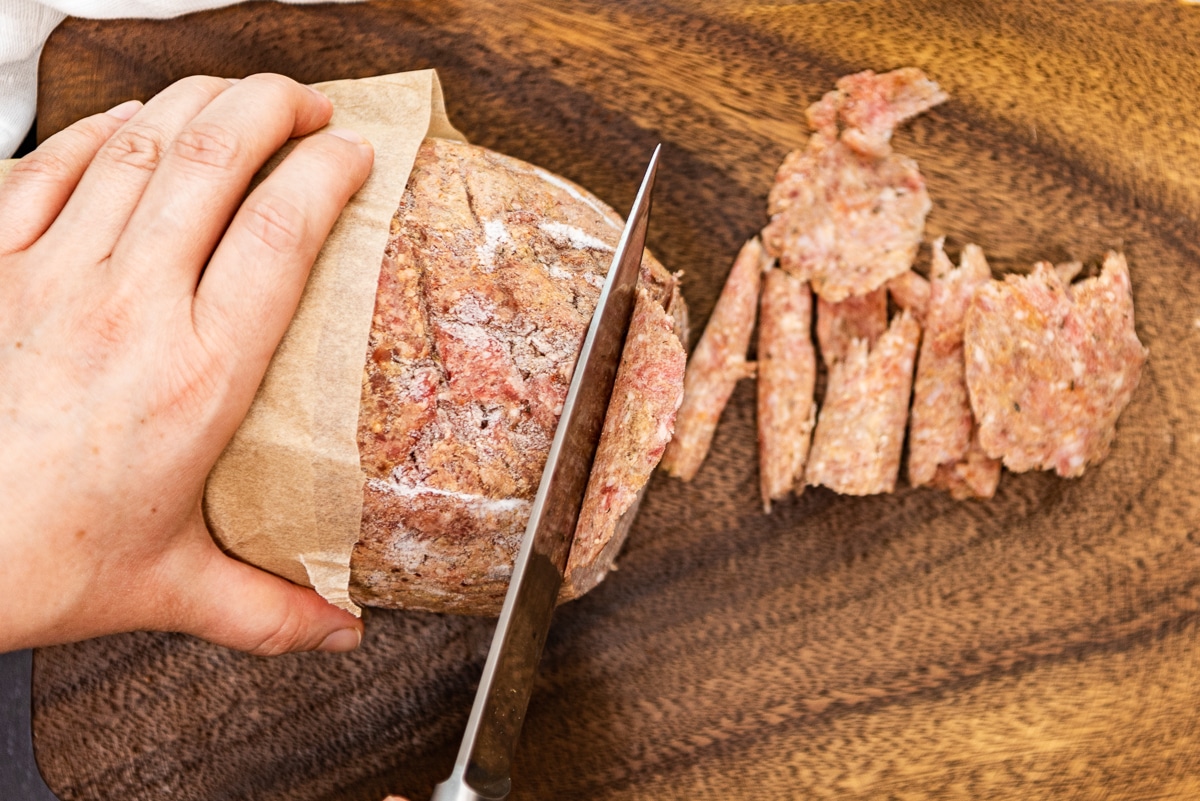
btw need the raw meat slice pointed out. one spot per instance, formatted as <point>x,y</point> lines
<point>637,428</point>
<point>910,291</point>
<point>1050,368</point>
<point>940,429</point>
<point>717,364</point>
<point>860,429</point>
<point>856,317</point>
<point>846,212</point>
<point>787,374</point>
<point>975,476</point>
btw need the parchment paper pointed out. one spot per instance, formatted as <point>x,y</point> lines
<point>286,495</point>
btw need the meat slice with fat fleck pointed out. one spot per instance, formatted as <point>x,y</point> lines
<point>860,428</point>
<point>940,433</point>
<point>1050,367</point>
<point>847,213</point>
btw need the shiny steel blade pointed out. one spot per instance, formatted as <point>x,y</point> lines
<point>482,770</point>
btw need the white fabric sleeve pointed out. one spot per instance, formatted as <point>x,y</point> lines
<point>26,24</point>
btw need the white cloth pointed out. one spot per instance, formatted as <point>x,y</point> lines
<point>26,24</point>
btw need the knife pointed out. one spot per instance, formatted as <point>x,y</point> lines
<point>482,771</point>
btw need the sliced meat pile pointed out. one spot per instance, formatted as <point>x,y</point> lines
<point>1051,366</point>
<point>847,219</point>
<point>1031,371</point>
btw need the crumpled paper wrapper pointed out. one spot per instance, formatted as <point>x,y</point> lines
<point>286,494</point>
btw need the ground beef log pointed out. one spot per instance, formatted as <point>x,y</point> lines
<point>488,283</point>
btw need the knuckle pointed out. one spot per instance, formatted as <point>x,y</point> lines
<point>45,165</point>
<point>289,635</point>
<point>271,79</point>
<point>104,331</point>
<point>205,85</point>
<point>207,145</point>
<point>139,146</point>
<point>189,387</point>
<point>276,223</point>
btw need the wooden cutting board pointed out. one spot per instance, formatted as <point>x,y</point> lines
<point>1039,645</point>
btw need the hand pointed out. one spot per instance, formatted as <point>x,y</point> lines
<point>140,301</point>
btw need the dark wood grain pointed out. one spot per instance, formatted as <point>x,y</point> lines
<point>1040,645</point>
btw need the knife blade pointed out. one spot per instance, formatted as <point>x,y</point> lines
<point>482,771</point>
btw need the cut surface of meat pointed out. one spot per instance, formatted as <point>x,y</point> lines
<point>637,427</point>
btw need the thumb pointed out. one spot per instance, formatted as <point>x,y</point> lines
<point>230,603</point>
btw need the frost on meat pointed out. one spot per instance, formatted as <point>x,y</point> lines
<point>787,372</point>
<point>860,430</point>
<point>717,364</point>
<point>846,212</point>
<point>856,317</point>
<point>1051,367</point>
<point>940,434</point>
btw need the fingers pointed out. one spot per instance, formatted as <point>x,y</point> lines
<point>253,282</point>
<point>115,181</point>
<point>39,185</point>
<point>204,174</point>
<point>238,606</point>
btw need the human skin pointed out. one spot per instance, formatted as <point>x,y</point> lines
<point>142,294</point>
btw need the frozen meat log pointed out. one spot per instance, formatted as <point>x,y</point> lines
<point>860,429</point>
<point>857,317</point>
<point>490,276</point>
<point>637,427</point>
<point>940,430</point>
<point>846,212</point>
<point>717,364</point>
<point>787,373</point>
<point>1050,368</point>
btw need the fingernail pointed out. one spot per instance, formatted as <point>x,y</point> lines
<point>348,135</point>
<point>341,641</point>
<point>316,92</point>
<point>125,110</point>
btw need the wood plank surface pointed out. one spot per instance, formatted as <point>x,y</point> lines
<point>1039,645</point>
